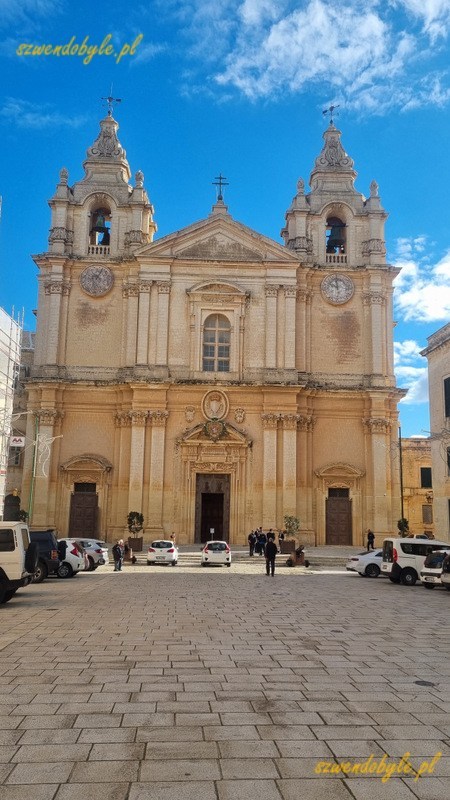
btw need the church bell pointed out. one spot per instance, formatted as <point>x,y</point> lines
<point>336,239</point>
<point>99,223</point>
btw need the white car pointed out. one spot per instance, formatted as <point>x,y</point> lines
<point>367,564</point>
<point>403,558</point>
<point>72,562</point>
<point>216,552</point>
<point>162,551</point>
<point>431,573</point>
<point>95,550</point>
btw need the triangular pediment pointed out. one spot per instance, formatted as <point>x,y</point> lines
<point>198,435</point>
<point>218,238</point>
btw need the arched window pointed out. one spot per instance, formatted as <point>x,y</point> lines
<point>336,238</point>
<point>100,233</point>
<point>216,344</point>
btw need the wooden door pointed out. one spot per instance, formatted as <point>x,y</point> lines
<point>83,514</point>
<point>338,520</point>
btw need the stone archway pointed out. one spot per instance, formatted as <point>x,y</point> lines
<point>84,497</point>
<point>338,503</point>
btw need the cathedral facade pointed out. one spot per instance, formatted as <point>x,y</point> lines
<point>213,379</point>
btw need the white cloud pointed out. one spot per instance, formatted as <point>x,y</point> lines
<point>370,56</point>
<point>434,14</point>
<point>415,379</point>
<point>147,52</point>
<point>24,114</point>
<point>422,290</point>
<point>407,351</point>
<point>25,11</point>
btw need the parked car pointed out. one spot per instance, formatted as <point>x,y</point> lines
<point>430,574</point>
<point>96,551</point>
<point>403,559</point>
<point>48,561</point>
<point>445,575</point>
<point>162,551</point>
<point>72,560</point>
<point>366,564</point>
<point>216,552</point>
<point>18,558</point>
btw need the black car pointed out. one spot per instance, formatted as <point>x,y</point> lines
<point>48,561</point>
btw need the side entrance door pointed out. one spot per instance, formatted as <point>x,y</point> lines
<point>212,507</point>
<point>338,517</point>
<point>83,511</point>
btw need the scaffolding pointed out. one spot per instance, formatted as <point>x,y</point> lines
<point>10,345</point>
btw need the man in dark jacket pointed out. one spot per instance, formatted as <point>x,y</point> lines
<point>270,553</point>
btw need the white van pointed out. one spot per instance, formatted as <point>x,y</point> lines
<point>403,559</point>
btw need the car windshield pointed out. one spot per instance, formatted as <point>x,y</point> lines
<point>217,546</point>
<point>161,545</point>
<point>434,560</point>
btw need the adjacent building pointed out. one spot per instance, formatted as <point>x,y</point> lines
<point>213,379</point>
<point>438,355</point>
<point>10,338</point>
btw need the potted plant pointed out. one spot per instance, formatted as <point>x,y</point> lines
<point>135,524</point>
<point>291,528</point>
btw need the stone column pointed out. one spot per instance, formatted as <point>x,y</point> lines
<point>54,290</point>
<point>378,432</point>
<point>138,420</point>
<point>144,288</point>
<point>302,349</point>
<point>64,313</point>
<point>48,427</point>
<point>270,425</point>
<point>271,327</point>
<point>290,295</point>
<point>376,301</point>
<point>289,423</point>
<point>305,425</point>
<point>157,456</point>
<point>121,489</point>
<point>162,334</point>
<point>131,293</point>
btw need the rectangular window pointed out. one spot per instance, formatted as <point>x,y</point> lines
<point>6,540</point>
<point>425,478</point>
<point>447,396</point>
<point>15,456</point>
<point>427,515</point>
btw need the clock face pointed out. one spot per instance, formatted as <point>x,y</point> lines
<point>337,289</point>
<point>96,281</point>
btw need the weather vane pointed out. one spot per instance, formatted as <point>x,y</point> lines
<point>110,100</point>
<point>330,112</point>
<point>220,181</point>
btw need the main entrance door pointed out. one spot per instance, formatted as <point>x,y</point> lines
<point>338,517</point>
<point>212,507</point>
<point>83,510</point>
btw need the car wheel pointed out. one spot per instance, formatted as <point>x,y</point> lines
<point>428,585</point>
<point>203,564</point>
<point>64,570</point>
<point>394,580</point>
<point>408,577</point>
<point>91,564</point>
<point>173,563</point>
<point>228,565</point>
<point>40,574</point>
<point>372,570</point>
<point>7,596</point>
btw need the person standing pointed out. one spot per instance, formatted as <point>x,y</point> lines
<point>270,552</point>
<point>370,540</point>
<point>251,542</point>
<point>118,553</point>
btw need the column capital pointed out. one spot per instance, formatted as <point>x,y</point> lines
<point>158,418</point>
<point>306,422</point>
<point>289,421</point>
<point>49,416</point>
<point>290,291</point>
<point>374,298</point>
<point>138,418</point>
<point>304,295</point>
<point>271,291</point>
<point>145,286</point>
<point>163,287</point>
<point>57,287</point>
<point>377,424</point>
<point>270,421</point>
<point>130,290</point>
<point>122,419</point>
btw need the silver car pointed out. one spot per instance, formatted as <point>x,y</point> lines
<point>96,552</point>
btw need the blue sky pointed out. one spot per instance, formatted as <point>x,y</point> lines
<point>238,87</point>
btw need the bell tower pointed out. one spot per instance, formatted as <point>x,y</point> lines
<point>96,225</point>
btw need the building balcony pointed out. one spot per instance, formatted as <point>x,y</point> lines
<point>98,250</point>
<point>336,258</point>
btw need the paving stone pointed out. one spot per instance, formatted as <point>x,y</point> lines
<point>180,770</point>
<point>45,792</point>
<point>397,747</point>
<point>82,791</point>
<point>184,750</point>
<point>117,752</point>
<point>191,790</point>
<point>218,733</point>
<point>40,773</point>
<point>394,789</point>
<point>54,722</point>
<point>285,732</point>
<point>105,771</point>
<point>426,788</point>
<point>313,790</point>
<point>257,768</point>
<point>252,749</point>
<point>247,790</point>
<point>169,734</point>
<point>105,735</point>
<point>47,753</point>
